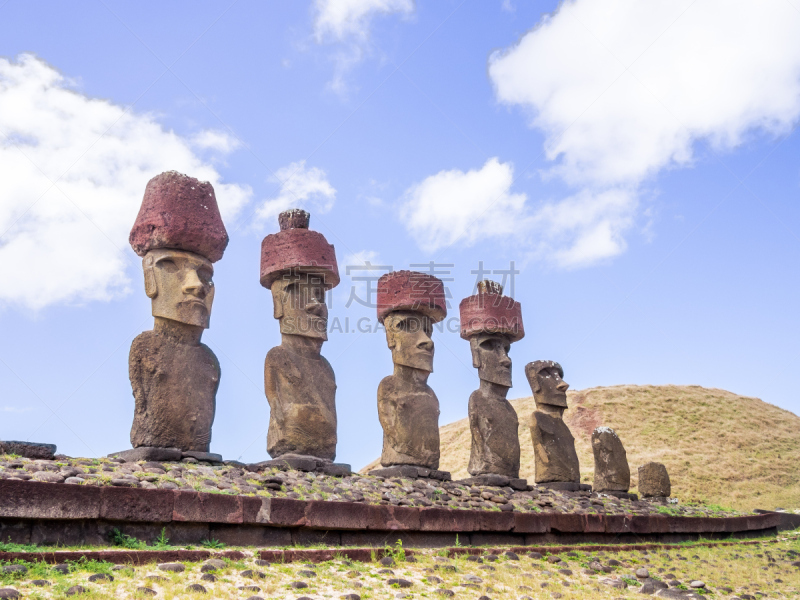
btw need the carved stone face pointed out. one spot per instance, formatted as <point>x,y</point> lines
<point>549,389</point>
<point>490,357</point>
<point>408,334</point>
<point>180,285</point>
<point>299,301</point>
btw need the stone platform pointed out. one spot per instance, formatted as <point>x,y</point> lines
<point>566,486</point>
<point>50,513</point>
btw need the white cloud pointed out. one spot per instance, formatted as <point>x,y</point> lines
<point>624,89</point>
<point>15,409</point>
<point>301,187</point>
<point>219,141</point>
<point>343,19</point>
<point>72,174</point>
<point>347,24</point>
<point>457,207</point>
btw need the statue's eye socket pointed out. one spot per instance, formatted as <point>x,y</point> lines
<point>167,265</point>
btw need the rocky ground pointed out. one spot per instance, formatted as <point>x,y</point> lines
<point>746,572</point>
<point>232,478</point>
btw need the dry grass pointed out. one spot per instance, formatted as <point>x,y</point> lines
<point>718,447</point>
<point>763,567</point>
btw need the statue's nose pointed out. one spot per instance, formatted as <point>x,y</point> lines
<point>192,285</point>
<point>562,386</point>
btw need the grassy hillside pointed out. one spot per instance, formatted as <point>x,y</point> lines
<point>718,447</point>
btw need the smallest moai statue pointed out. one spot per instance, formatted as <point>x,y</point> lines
<point>612,474</point>
<point>654,481</point>
<point>556,461</point>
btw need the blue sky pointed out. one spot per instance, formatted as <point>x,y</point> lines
<point>640,167</point>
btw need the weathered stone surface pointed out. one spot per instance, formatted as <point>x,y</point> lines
<point>179,212</point>
<point>32,450</point>
<point>554,449</point>
<point>175,380</point>
<point>611,471</point>
<point>409,414</point>
<point>495,432</point>
<point>299,266</point>
<point>654,480</point>
<point>409,303</point>
<point>302,395</point>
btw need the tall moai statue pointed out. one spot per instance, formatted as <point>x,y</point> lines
<point>299,266</point>
<point>409,303</point>
<point>180,234</point>
<point>492,322</point>
<point>556,461</point>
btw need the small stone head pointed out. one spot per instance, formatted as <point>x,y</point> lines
<point>490,357</point>
<point>409,335</point>
<point>547,384</point>
<point>299,304</point>
<point>180,285</point>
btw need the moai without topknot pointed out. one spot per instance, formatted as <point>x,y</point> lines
<point>409,304</point>
<point>492,322</point>
<point>299,266</point>
<point>556,461</point>
<point>612,474</point>
<point>180,234</point>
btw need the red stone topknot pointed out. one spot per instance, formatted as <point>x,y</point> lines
<point>296,248</point>
<point>489,311</point>
<point>179,212</point>
<point>411,290</point>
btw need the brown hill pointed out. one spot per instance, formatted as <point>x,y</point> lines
<point>718,447</point>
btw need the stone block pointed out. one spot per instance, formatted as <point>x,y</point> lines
<point>32,450</point>
<point>281,511</point>
<point>133,504</point>
<point>149,453</point>
<point>206,456</point>
<point>199,507</point>
<point>24,500</point>
<point>337,469</point>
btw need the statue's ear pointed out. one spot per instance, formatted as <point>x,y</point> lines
<point>150,287</point>
<point>476,356</point>
<point>388,324</point>
<point>278,293</point>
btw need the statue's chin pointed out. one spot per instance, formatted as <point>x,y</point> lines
<point>416,362</point>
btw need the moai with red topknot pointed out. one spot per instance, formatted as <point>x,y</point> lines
<point>492,322</point>
<point>409,303</point>
<point>299,266</point>
<point>179,234</point>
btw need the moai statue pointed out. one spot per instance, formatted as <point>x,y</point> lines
<point>654,481</point>
<point>553,445</point>
<point>180,234</point>
<point>492,322</point>
<point>298,266</point>
<point>409,303</point>
<point>612,475</point>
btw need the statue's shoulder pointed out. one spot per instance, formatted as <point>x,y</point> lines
<point>145,344</point>
<point>278,357</point>
<point>388,384</point>
<point>209,353</point>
